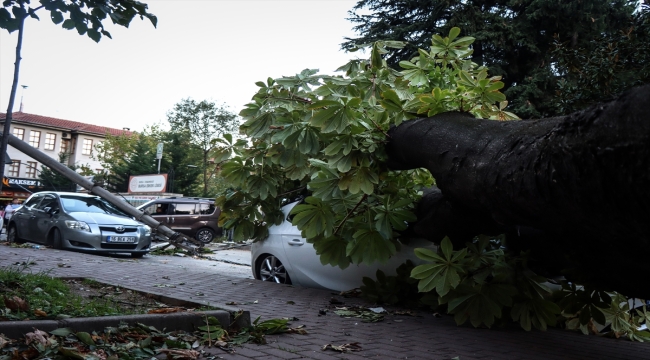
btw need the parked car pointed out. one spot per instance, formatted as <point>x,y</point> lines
<point>195,217</point>
<point>285,257</point>
<point>78,221</point>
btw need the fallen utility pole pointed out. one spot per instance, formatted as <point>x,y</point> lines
<point>175,238</point>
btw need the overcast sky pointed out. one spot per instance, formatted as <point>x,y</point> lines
<point>209,49</point>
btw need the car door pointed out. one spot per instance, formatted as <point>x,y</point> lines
<point>307,270</point>
<point>43,215</point>
<point>302,262</point>
<point>158,211</point>
<point>182,216</point>
<point>24,218</point>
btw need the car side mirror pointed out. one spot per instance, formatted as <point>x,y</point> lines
<point>51,210</point>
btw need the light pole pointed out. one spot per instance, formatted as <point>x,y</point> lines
<point>22,93</point>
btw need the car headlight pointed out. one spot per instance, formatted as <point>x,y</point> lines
<point>77,225</point>
<point>147,230</point>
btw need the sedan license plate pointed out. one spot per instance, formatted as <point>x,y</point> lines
<point>120,239</point>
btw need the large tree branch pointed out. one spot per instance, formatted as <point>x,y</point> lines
<point>574,189</point>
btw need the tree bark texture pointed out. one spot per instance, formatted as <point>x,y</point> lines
<point>574,190</point>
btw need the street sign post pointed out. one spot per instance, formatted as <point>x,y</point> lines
<point>159,150</point>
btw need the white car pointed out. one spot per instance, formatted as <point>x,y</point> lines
<point>285,257</point>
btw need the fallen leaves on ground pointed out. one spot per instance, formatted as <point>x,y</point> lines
<point>164,285</point>
<point>297,330</point>
<point>365,314</point>
<point>405,312</point>
<point>166,310</point>
<point>354,293</point>
<point>139,342</point>
<point>3,341</point>
<point>241,303</point>
<point>181,354</point>
<point>15,303</point>
<point>343,348</point>
<point>39,337</point>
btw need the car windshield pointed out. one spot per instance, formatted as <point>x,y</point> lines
<point>73,203</point>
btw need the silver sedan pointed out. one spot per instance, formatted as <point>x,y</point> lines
<point>78,221</point>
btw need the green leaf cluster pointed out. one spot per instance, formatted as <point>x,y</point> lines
<point>481,283</point>
<point>84,16</point>
<point>399,289</point>
<point>258,329</point>
<point>586,309</point>
<point>323,137</point>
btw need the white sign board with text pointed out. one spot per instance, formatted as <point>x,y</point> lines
<point>159,150</point>
<point>148,183</point>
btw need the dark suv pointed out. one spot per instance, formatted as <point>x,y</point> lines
<point>195,217</point>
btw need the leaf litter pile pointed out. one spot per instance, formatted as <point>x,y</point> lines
<point>139,342</point>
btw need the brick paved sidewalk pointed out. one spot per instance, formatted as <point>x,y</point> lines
<point>397,337</point>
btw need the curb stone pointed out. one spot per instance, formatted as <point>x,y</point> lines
<point>186,321</point>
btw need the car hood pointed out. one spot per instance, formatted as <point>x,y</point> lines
<point>103,219</point>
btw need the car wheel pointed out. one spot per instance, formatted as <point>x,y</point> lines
<point>12,235</point>
<point>57,240</point>
<point>137,255</point>
<point>271,269</point>
<point>205,235</point>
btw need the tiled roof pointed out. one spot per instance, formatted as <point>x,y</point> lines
<point>69,125</point>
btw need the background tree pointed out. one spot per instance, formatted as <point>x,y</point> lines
<point>514,39</point>
<point>205,122</point>
<point>85,16</point>
<point>178,153</point>
<point>126,155</point>
<point>134,154</point>
<point>612,63</point>
<point>55,180</point>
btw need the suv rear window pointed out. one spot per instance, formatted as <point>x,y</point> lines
<point>183,209</point>
<point>207,209</point>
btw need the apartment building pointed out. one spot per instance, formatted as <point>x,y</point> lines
<point>51,136</point>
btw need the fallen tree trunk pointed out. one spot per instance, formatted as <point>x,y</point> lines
<point>575,190</point>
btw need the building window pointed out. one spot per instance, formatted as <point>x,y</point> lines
<point>14,169</point>
<point>50,140</point>
<point>31,169</point>
<point>34,138</point>
<point>19,133</point>
<point>65,146</point>
<point>87,147</point>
